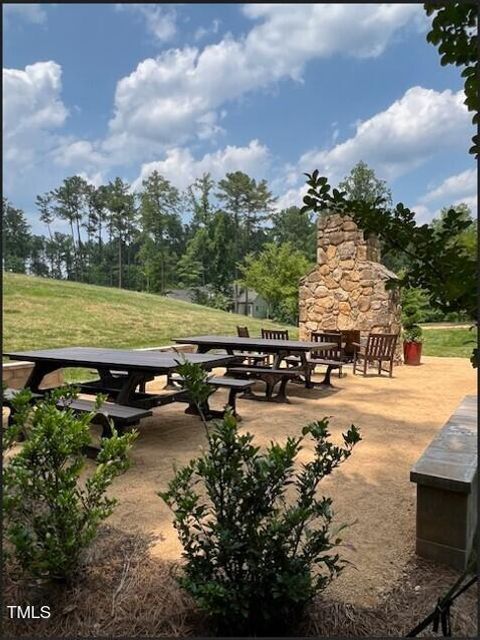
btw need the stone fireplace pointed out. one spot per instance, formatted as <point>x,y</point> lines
<point>346,289</point>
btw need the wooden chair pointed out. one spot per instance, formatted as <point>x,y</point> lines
<point>349,337</point>
<point>332,358</point>
<point>380,347</point>
<point>253,358</point>
<point>275,334</point>
<point>279,334</point>
<point>243,332</point>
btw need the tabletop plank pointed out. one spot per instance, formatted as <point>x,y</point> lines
<point>131,360</point>
<point>252,344</point>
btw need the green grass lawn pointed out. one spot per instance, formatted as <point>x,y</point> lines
<point>448,342</point>
<point>40,313</point>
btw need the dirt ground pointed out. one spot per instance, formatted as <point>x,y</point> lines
<point>397,417</point>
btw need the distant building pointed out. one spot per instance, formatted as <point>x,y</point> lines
<point>252,305</point>
<point>186,295</point>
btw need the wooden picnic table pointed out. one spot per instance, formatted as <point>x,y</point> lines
<point>136,368</point>
<point>280,348</point>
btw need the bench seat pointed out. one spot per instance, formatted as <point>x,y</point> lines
<point>271,377</point>
<point>236,386</point>
<point>121,415</point>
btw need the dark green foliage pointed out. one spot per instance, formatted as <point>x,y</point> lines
<point>51,512</point>
<point>413,333</point>
<point>455,32</point>
<point>257,538</point>
<point>297,228</point>
<point>363,184</point>
<point>16,238</point>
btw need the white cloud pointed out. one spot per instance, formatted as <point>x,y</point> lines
<point>166,99</point>
<point>291,198</point>
<point>180,167</point>
<point>32,113</point>
<point>160,20</point>
<point>454,188</point>
<point>33,13</point>
<point>79,153</point>
<point>395,141</point>
<point>203,32</point>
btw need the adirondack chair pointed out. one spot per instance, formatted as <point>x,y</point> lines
<point>380,347</point>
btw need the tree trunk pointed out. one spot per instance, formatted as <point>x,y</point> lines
<point>120,282</point>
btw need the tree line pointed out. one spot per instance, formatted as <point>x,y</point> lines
<point>112,236</point>
<point>234,235</point>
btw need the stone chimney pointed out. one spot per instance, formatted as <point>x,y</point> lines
<point>346,289</point>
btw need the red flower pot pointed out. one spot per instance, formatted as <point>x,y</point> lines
<point>412,352</point>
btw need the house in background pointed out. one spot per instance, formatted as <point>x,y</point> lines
<point>251,304</point>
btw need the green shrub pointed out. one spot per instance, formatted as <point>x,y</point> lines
<point>255,557</point>
<point>51,514</point>
<point>413,333</point>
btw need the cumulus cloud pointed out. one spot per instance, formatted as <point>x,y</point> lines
<point>33,112</point>
<point>166,100</point>
<point>180,167</point>
<point>33,13</point>
<point>79,153</point>
<point>159,20</point>
<point>395,141</point>
<point>454,188</point>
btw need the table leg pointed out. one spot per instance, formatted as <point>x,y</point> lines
<point>39,371</point>
<point>307,370</point>
<point>126,395</point>
<point>326,380</point>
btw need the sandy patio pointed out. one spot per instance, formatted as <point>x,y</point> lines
<point>398,417</point>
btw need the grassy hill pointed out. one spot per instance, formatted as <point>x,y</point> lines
<point>40,313</point>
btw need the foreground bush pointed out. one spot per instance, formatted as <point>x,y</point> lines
<point>254,558</point>
<point>50,514</point>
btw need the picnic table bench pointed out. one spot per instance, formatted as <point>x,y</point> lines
<point>280,348</point>
<point>126,405</point>
<point>271,377</point>
<point>235,386</point>
<point>120,415</point>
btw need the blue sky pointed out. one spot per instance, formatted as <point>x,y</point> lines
<point>273,90</point>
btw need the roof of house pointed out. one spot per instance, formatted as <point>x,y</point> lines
<point>252,296</point>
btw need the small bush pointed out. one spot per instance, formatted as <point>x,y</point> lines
<point>50,514</point>
<point>254,559</point>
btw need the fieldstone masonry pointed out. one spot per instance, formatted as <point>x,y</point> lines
<point>346,289</point>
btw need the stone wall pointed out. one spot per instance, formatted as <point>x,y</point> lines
<point>15,375</point>
<point>346,289</point>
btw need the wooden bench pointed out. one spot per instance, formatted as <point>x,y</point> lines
<point>446,478</point>
<point>236,386</point>
<point>271,377</point>
<point>121,415</point>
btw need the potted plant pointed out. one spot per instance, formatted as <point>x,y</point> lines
<point>412,344</point>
